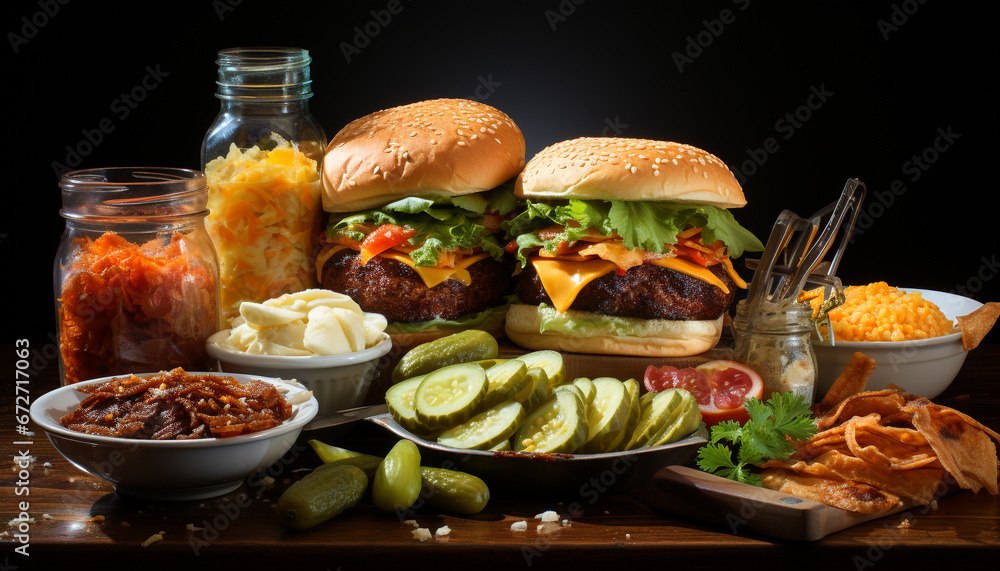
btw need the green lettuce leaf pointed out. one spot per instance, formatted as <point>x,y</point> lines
<point>490,319</point>
<point>442,223</point>
<point>641,225</point>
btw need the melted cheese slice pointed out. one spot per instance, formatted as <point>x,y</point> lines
<point>732,273</point>
<point>691,269</point>
<point>563,280</point>
<point>322,258</point>
<point>434,276</point>
<point>430,276</point>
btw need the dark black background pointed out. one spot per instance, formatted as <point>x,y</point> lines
<point>560,70</point>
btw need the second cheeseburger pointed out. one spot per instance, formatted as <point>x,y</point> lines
<point>625,248</point>
<point>417,194</point>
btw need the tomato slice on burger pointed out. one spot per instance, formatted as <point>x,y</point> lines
<point>383,238</point>
<point>720,387</point>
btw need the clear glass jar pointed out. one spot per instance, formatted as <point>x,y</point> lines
<point>262,157</point>
<point>136,277</point>
<point>775,342</point>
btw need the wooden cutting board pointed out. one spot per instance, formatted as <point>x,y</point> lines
<point>745,509</point>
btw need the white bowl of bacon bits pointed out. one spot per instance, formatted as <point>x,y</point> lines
<point>175,435</point>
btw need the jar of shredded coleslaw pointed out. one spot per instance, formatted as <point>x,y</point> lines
<point>262,157</point>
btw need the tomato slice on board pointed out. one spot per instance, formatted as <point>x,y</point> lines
<point>382,238</point>
<point>720,387</point>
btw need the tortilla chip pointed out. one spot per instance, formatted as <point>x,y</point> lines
<point>977,324</point>
<point>851,382</point>
<point>967,452</point>
<point>887,448</point>
<point>919,485</point>
<point>834,491</point>
<point>885,402</point>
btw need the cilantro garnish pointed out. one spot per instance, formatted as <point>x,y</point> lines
<point>765,436</point>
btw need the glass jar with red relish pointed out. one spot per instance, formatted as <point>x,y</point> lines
<point>136,276</point>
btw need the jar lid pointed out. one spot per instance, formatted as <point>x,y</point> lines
<point>264,74</point>
<point>119,194</point>
<point>770,317</point>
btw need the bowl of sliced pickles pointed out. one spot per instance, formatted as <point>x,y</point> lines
<point>521,424</point>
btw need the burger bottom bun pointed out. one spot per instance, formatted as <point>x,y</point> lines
<point>411,339</point>
<point>665,338</point>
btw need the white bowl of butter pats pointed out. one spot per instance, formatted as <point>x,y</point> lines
<point>320,338</point>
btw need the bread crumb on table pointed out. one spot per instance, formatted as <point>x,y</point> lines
<point>421,533</point>
<point>519,526</point>
<point>442,531</point>
<point>548,516</point>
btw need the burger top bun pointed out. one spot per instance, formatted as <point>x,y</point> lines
<point>438,147</point>
<point>606,168</point>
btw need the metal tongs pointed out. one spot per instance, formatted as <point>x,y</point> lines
<point>796,255</point>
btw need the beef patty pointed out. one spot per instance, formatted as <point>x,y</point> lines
<point>396,291</point>
<point>645,291</point>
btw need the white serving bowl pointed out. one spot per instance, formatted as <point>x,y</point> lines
<point>337,381</point>
<point>924,367</point>
<point>169,469</point>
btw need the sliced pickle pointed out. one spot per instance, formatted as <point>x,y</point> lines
<point>449,396</point>
<point>502,447</point>
<point>399,400</point>
<point>487,363</point>
<point>586,387</point>
<point>686,421</point>
<point>607,415</point>
<point>660,411</point>
<point>551,362</point>
<point>558,425</point>
<point>505,381</point>
<point>540,389</point>
<point>634,410</point>
<point>486,429</point>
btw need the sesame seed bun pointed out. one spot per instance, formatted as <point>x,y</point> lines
<point>438,147</point>
<point>661,337</point>
<point>607,168</point>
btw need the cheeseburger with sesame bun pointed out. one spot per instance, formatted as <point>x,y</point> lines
<point>416,195</point>
<point>625,247</point>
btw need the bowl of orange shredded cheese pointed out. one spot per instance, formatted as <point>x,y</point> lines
<point>910,333</point>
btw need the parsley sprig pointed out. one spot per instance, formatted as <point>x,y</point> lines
<point>765,436</point>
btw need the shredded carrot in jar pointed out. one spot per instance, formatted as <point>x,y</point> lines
<point>126,307</point>
<point>265,217</point>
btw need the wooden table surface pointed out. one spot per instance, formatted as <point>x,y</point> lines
<point>80,521</point>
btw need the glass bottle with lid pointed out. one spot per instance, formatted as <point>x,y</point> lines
<point>774,341</point>
<point>262,156</point>
<point>136,277</point>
